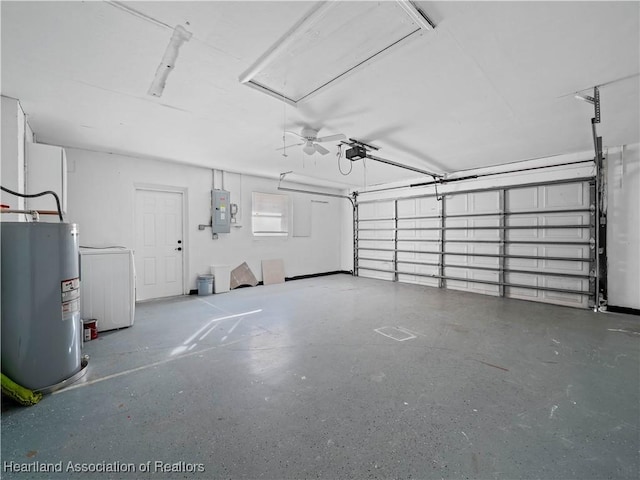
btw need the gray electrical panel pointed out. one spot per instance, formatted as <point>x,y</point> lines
<point>221,212</point>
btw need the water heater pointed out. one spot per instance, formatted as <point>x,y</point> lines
<point>41,327</point>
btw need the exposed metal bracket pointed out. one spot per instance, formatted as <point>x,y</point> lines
<point>599,218</point>
<point>352,142</point>
<point>595,101</point>
<point>311,192</point>
<point>406,167</point>
<point>282,175</point>
<point>357,143</point>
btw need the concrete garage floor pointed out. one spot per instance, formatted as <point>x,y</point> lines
<point>294,381</point>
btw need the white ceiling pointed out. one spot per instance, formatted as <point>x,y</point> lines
<point>492,84</point>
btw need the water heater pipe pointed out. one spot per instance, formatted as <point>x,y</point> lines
<point>33,213</point>
<point>34,195</point>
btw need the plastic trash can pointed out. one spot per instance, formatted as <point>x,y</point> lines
<point>222,275</point>
<point>205,284</point>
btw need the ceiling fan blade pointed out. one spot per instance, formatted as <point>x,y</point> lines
<point>320,149</point>
<point>330,138</point>
<point>289,146</point>
<point>296,134</point>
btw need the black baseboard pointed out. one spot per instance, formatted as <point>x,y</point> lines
<point>312,275</point>
<point>297,277</point>
<point>627,310</point>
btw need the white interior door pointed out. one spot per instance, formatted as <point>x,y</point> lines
<point>159,244</point>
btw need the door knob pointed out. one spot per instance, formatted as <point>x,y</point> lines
<point>179,249</point>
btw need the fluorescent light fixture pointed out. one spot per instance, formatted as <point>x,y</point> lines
<point>168,62</point>
<point>329,42</point>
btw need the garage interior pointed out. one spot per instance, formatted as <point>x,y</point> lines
<point>321,239</point>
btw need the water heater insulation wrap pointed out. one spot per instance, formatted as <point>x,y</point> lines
<point>41,327</point>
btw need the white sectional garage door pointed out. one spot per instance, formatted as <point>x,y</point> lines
<point>533,242</point>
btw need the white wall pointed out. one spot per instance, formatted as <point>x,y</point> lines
<point>12,167</point>
<point>101,190</point>
<point>623,228</point>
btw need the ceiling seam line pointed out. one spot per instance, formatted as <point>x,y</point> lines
<point>484,75</point>
<point>358,65</point>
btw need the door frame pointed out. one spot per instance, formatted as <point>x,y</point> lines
<point>183,191</point>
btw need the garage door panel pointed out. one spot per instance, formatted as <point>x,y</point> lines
<point>485,222</point>
<point>377,262</point>
<point>381,225</point>
<point>427,206</point>
<point>418,280</point>
<point>564,196</point>
<point>418,223</point>
<point>384,209</point>
<point>421,269</point>
<point>457,204</point>
<point>422,257</point>
<point>376,242</point>
<point>562,234</point>
<point>567,233</point>
<point>478,253</point>
<point>484,202</point>
<point>408,238</point>
<point>417,237</point>
<point>418,207</point>
<point>524,250</point>
<point>484,232</point>
<point>377,275</point>
<point>522,233</point>
<point>522,199</point>
<point>485,288</point>
<point>569,299</point>
<point>568,266</point>
<point>522,293</point>
<point>457,223</point>
<point>407,208</point>
<point>423,223</point>
<point>562,266</point>
<point>367,210</point>
<point>483,260</point>
<point>407,258</point>
<point>457,248</point>
<point>408,245</point>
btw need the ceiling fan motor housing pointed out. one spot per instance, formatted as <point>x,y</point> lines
<point>309,133</point>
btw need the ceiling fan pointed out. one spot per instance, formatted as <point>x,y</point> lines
<point>312,141</point>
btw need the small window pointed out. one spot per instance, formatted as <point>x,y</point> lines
<point>269,215</point>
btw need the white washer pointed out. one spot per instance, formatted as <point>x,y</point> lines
<point>107,287</point>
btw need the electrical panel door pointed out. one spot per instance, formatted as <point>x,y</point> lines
<point>221,212</point>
